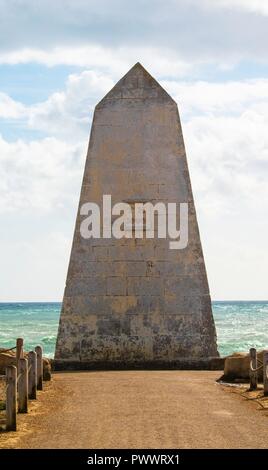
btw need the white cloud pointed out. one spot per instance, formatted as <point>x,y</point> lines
<point>224,124</point>
<point>108,35</point>
<point>116,61</point>
<point>67,113</point>
<point>10,108</point>
<point>39,175</point>
<point>229,161</point>
<point>225,130</point>
<point>35,267</point>
<point>256,6</point>
<point>232,97</point>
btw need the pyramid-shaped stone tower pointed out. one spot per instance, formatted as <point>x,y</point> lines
<point>134,302</point>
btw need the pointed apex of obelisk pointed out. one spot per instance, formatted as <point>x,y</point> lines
<point>137,84</point>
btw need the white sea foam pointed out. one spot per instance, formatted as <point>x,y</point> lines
<point>240,325</point>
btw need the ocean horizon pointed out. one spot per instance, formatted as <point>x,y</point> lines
<point>240,324</point>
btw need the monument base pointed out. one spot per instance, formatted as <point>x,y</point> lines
<point>210,363</point>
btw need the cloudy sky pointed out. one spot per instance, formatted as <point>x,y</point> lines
<point>59,57</point>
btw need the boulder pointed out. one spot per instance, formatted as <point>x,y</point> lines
<point>6,359</point>
<point>46,369</point>
<point>9,359</point>
<point>236,366</point>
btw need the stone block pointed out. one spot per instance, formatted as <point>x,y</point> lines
<point>116,285</point>
<point>146,286</point>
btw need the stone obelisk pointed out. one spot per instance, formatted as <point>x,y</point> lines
<point>135,302</point>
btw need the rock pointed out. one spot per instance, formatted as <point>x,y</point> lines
<point>46,369</point>
<point>237,365</point>
<point>9,359</point>
<point>6,359</point>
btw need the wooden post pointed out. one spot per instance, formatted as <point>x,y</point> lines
<point>11,400</point>
<point>32,375</point>
<point>19,349</point>
<point>39,355</point>
<point>253,375</point>
<point>23,385</point>
<point>265,373</point>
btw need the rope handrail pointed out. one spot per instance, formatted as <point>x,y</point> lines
<point>23,377</point>
<point>255,370</point>
<point>6,350</point>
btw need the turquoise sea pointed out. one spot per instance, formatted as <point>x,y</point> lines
<point>240,325</point>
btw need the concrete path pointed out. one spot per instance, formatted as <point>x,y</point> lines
<point>138,409</point>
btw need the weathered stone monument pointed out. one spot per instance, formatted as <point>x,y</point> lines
<point>134,302</point>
